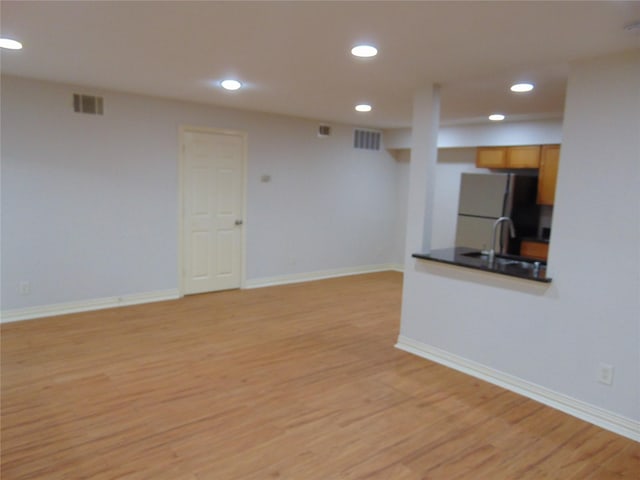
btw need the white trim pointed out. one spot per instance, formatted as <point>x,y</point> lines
<point>598,416</point>
<point>181,161</point>
<point>396,267</point>
<point>87,305</point>
<point>320,275</point>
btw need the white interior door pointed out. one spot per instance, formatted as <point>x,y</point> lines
<point>213,210</point>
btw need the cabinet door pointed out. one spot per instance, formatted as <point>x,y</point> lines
<point>523,157</point>
<point>491,157</point>
<point>535,250</point>
<point>549,159</point>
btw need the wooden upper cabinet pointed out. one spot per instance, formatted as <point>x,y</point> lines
<point>549,160</point>
<point>491,157</point>
<point>523,157</point>
<point>527,156</point>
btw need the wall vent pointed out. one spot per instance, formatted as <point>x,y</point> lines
<point>366,139</point>
<point>87,104</point>
<point>324,130</point>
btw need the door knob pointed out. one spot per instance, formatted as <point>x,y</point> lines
<point>239,222</point>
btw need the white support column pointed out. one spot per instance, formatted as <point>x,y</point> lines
<point>424,154</point>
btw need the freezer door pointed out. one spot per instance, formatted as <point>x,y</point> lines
<point>474,232</point>
<point>483,194</point>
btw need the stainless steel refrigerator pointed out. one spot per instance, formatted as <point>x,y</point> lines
<point>484,197</point>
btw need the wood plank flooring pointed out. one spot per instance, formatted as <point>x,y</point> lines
<point>292,382</point>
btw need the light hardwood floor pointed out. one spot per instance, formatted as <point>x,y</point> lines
<point>293,382</point>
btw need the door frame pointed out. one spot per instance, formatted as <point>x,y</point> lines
<point>183,129</point>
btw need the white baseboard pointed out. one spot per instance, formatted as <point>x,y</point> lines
<point>598,416</point>
<point>86,305</point>
<point>321,275</point>
<point>30,313</point>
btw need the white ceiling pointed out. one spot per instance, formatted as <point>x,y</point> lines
<point>294,56</point>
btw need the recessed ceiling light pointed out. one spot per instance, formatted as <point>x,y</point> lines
<point>496,117</point>
<point>10,44</point>
<point>230,84</point>
<point>522,87</point>
<point>364,51</point>
<point>363,108</point>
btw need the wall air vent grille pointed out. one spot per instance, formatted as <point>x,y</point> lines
<point>366,139</point>
<point>87,104</point>
<point>324,130</point>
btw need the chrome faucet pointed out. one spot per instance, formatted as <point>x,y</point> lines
<point>512,230</point>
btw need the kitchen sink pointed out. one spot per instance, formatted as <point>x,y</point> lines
<point>507,260</point>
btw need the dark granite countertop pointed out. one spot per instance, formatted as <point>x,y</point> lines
<point>511,265</point>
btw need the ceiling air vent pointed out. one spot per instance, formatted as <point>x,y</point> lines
<point>324,130</point>
<point>87,104</point>
<point>366,139</point>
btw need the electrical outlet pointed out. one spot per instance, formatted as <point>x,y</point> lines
<point>24,287</point>
<point>605,374</point>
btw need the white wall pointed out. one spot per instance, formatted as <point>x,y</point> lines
<point>90,203</point>
<point>551,339</point>
<point>398,138</point>
<point>532,132</point>
<point>537,132</point>
<point>456,154</point>
<point>403,158</point>
<point>452,162</point>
